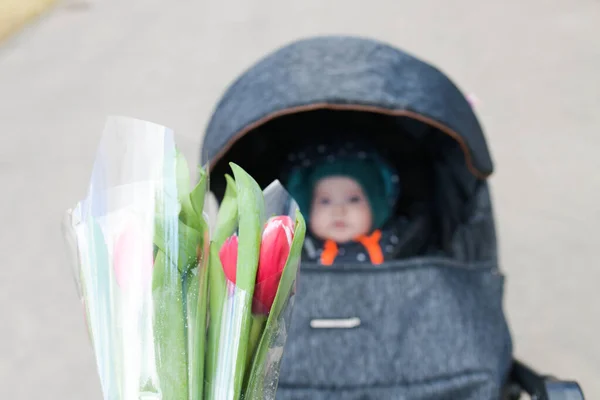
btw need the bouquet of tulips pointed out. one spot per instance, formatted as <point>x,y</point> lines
<point>172,313</point>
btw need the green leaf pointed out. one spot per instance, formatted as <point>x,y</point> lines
<point>183,188</point>
<point>193,205</point>
<point>251,216</point>
<point>225,227</point>
<point>184,245</point>
<point>169,329</point>
<point>251,209</point>
<point>256,333</point>
<point>191,284</point>
<point>198,194</point>
<point>256,385</point>
<point>227,217</point>
<point>182,174</point>
<point>197,298</point>
<point>216,282</point>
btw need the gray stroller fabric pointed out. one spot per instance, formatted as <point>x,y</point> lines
<point>423,327</point>
<point>428,328</point>
<point>427,331</point>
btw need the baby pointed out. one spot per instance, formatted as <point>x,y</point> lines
<point>347,198</point>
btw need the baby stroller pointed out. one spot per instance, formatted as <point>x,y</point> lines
<point>428,324</point>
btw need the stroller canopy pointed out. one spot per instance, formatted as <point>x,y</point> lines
<point>290,89</point>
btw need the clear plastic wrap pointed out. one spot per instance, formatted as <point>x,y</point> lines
<point>139,244</point>
<point>172,313</point>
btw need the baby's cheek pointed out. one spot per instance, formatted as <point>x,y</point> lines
<point>317,219</point>
<point>363,218</point>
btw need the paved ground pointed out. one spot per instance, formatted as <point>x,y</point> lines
<point>534,65</point>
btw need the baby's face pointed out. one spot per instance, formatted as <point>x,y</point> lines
<point>340,210</point>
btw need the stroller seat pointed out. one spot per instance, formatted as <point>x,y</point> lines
<point>428,324</point>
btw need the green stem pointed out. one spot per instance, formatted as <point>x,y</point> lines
<point>169,329</point>
<point>226,225</point>
<point>197,296</point>
<point>216,282</point>
<point>256,331</point>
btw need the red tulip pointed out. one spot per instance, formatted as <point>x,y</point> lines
<point>274,250</point>
<point>228,256</point>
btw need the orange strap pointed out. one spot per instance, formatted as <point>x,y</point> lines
<point>330,251</point>
<point>370,243</point>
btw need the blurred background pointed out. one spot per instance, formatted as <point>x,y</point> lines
<point>533,65</point>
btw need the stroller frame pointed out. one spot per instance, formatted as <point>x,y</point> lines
<point>539,387</point>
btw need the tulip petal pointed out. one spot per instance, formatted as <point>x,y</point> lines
<point>274,251</point>
<point>228,256</point>
<point>227,216</point>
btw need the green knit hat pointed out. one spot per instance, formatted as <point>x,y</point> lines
<point>368,173</point>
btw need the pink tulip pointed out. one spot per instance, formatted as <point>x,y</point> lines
<point>132,257</point>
